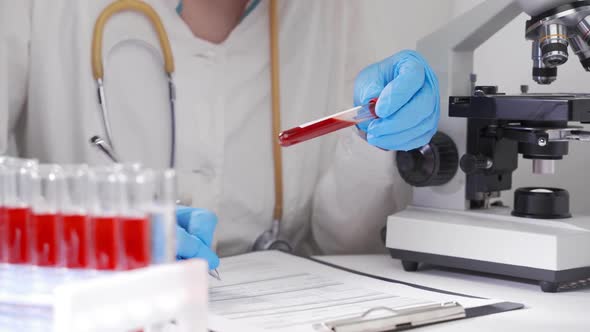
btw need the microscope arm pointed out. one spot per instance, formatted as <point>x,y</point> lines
<point>449,51</point>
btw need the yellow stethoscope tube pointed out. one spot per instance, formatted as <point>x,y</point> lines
<point>98,68</point>
<point>127,5</point>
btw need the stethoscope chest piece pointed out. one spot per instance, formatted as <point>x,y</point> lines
<point>271,240</point>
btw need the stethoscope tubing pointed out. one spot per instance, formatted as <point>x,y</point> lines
<point>98,70</point>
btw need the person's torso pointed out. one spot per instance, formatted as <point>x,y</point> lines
<point>223,120</point>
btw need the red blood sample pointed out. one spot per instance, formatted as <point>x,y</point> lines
<point>44,228</point>
<point>3,239</point>
<point>329,124</point>
<point>106,242</point>
<point>76,241</point>
<point>300,134</point>
<point>17,220</point>
<point>136,242</point>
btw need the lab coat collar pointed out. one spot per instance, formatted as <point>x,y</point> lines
<point>182,37</point>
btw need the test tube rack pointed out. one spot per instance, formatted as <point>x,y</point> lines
<point>166,297</point>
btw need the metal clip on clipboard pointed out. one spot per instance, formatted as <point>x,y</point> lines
<point>387,319</point>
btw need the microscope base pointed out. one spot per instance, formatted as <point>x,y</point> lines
<point>492,241</point>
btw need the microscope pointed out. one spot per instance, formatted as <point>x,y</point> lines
<point>457,219</point>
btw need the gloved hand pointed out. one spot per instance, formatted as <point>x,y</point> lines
<point>194,234</point>
<point>409,102</point>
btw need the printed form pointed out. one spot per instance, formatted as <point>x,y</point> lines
<point>275,291</point>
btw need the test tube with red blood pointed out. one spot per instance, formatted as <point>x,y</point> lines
<point>135,221</point>
<point>16,189</point>
<point>76,240</point>
<point>3,226</point>
<point>328,124</point>
<point>106,197</point>
<point>46,221</point>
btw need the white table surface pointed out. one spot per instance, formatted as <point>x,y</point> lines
<point>567,311</point>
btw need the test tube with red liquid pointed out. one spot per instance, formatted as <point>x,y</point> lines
<point>77,241</point>
<point>328,124</point>
<point>135,222</point>
<point>46,221</point>
<point>16,195</point>
<point>106,203</point>
<point>3,226</point>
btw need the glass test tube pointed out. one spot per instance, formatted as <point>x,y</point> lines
<point>135,222</point>
<point>16,193</point>
<point>328,124</point>
<point>77,241</point>
<point>3,226</point>
<point>106,203</point>
<point>46,222</point>
<point>163,218</point>
<point>162,211</point>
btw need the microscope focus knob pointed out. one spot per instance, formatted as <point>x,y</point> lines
<point>434,164</point>
<point>471,164</point>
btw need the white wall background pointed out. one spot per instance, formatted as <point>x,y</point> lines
<point>504,61</point>
<point>404,22</point>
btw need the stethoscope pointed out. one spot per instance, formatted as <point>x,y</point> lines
<point>271,238</point>
<point>107,146</point>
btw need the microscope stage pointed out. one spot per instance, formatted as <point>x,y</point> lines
<point>532,107</point>
<point>493,241</point>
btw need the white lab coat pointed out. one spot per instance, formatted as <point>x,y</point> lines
<point>338,189</point>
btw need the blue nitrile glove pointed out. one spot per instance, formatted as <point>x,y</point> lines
<point>194,234</point>
<point>408,105</point>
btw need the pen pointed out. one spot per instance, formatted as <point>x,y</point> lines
<point>215,274</point>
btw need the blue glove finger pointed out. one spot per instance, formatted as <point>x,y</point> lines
<point>189,246</point>
<point>372,80</point>
<point>368,84</point>
<point>409,79</point>
<point>408,105</point>
<point>415,112</point>
<point>198,222</point>
<point>402,79</point>
<point>183,214</point>
<point>385,142</point>
<point>406,135</point>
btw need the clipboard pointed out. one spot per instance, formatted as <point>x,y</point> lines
<point>387,319</point>
<point>308,294</point>
<point>406,318</point>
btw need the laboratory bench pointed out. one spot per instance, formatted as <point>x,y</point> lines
<point>567,310</point>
